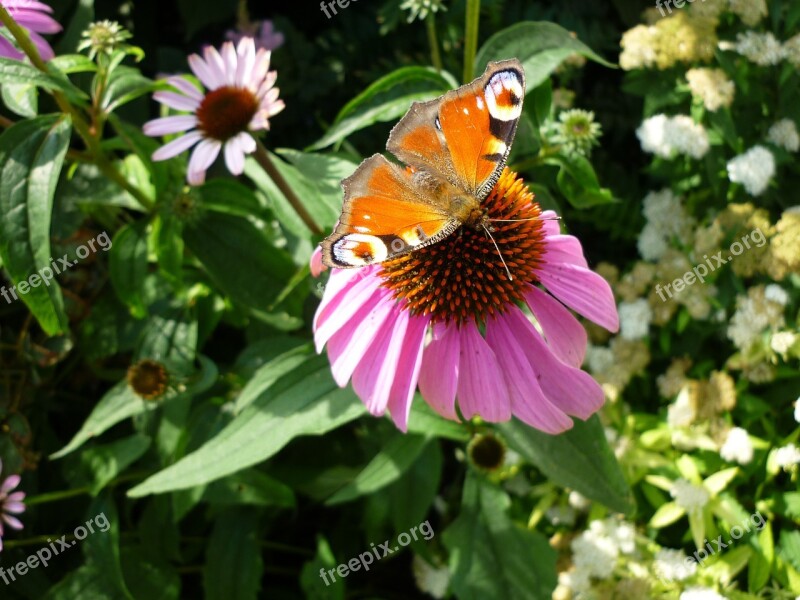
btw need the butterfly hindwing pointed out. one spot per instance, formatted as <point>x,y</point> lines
<point>384,216</point>
<point>465,136</point>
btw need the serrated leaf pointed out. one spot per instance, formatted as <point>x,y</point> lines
<point>384,468</point>
<point>540,46</point>
<point>385,100</point>
<point>118,404</point>
<point>491,556</point>
<point>31,155</point>
<point>580,459</point>
<point>305,402</point>
<point>233,560</point>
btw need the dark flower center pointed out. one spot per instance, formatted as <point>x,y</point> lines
<point>486,452</point>
<point>226,112</point>
<point>463,277</point>
<point>148,379</point>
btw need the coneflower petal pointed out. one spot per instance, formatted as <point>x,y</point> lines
<point>339,306</point>
<point>408,370</point>
<point>482,388</point>
<point>565,336</point>
<point>438,377</point>
<point>584,291</point>
<point>564,249</point>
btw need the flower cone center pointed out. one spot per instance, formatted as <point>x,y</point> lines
<point>226,112</point>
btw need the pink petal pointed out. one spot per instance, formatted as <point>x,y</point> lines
<point>204,73</point>
<point>234,156</point>
<point>482,389</point>
<point>185,86</point>
<point>13,522</point>
<point>246,52</point>
<point>570,389</point>
<point>528,402</point>
<point>564,334</point>
<point>438,377</point>
<point>203,157</point>
<point>37,22</point>
<point>315,263</point>
<point>550,222</point>
<point>13,507</point>
<point>177,146</point>
<point>408,368</point>
<point>247,142</point>
<point>343,305</point>
<point>375,373</point>
<point>10,483</point>
<point>169,125</point>
<point>217,66</point>
<point>177,101</point>
<point>347,347</point>
<point>8,50</point>
<point>44,48</point>
<point>583,291</point>
<point>564,249</point>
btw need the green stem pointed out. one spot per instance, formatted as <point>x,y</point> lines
<point>39,540</point>
<point>55,496</point>
<point>262,156</point>
<point>436,58</point>
<point>471,38</point>
<point>83,129</point>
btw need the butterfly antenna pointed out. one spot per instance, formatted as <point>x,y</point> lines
<point>500,254</point>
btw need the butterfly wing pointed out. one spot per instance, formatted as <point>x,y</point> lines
<point>465,136</point>
<point>386,213</point>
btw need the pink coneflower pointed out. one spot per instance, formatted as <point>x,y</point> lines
<point>35,17</point>
<point>240,99</point>
<point>263,33</point>
<point>10,503</point>
<point>448,318</point>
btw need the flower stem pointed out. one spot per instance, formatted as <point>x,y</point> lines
<point>262,156</point>
<point>436,58</point>
<point>81,126</point>
<point>471,38</point>
<point>55,496</point>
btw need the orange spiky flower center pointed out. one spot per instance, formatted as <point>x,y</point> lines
<point>462,277</point>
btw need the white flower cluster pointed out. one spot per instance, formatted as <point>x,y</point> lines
<point>634,318</point>
<point>737,447</point>
<point>666,219</point>
<point>711,86</point>
<point>749,11</point>
<point>688,495</point>
<point>681,413</point>
<point>763,49</point>
<point>667,136</point>
<point>787,456</point>
<point>595,552</point>
<point>753,169</point>
<point>671,565</point>
<point>753,315</point>
<point>797,410</point>
<point>700,593</point>
<point>781,341</point>
<point>784,135</point>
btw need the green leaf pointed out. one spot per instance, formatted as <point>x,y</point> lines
<point>105,462</point>
<point>305,402</point>
<point>760,565</point>
<point>540,46</point>
<point>73,63</point>
<point>31,155</point>
<point>579,459</point>
<point>271,372</point>
<point>17,72</point>
<point>385,467</point>
<point>229,197</point>
<point>21,99</point>
<point>239,258</point>
<point>423,419</point>
<point>125,84</point>
<point>170,336</point>
<point>311,580</point>
<point>128,266</point>
<point>413,494</point>
<point>146,578</point>
<point>250,487</point>
<point>491,556</point>
<point>578,182</point>
<point>101,548</point>
<point>118,404</point>
<point>385,100</point>
<point>233,560</point>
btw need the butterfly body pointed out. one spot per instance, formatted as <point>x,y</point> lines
<point>455,147</point>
